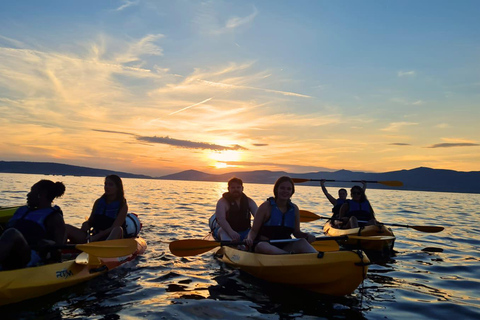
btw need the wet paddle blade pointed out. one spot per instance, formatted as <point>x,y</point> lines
<point>109,248</point>
<point>298,180</point>
<point>307,216</point>
<point>191,247</point>
<point>326,246</point>
<point>372,238</point>
<point>429,229</point>
<point>392,183</point>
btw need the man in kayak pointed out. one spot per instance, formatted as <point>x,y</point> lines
<point>233,213</point>
<point>358,210</point>
<point>277,219</point>
<point>34,225</point>
<point>107,220</point>
<point>337,203</point>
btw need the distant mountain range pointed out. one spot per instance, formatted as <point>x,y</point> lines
<point>418,179</point>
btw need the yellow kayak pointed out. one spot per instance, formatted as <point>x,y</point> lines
<point>6,213</point>
<point>334,273</point>
<point>22,284</point>
<point>374,231</point>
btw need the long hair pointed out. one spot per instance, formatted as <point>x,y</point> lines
<point>280,181</point>
<point>120,196</point>
<point>363,197</point>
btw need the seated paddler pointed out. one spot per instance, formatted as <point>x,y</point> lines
<point>107,219</point>
<point>233,213</point>
<point>34,229</point>
<point>357,212</point>
<point>278,218</point>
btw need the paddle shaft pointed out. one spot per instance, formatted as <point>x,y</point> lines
<point>387,183</point>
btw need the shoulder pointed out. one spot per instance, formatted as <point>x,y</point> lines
<point>265,206</point>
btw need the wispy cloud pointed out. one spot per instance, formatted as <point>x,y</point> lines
<point>451,145</point>
<point>236,22</point>
<point>400,144</point>
<point>126,4</point>
<point>395,126</point>
<point>410,73</point>
<point>418,103</point>
<point>224,85</point>
<point>189,144</point>
<point>193,105</point>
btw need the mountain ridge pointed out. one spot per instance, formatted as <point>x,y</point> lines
<point>417,179</point>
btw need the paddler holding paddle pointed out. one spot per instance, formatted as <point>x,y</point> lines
<point>337,203</point>
<point>277,219</point>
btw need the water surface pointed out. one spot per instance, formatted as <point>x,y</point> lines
<point>414,283</point>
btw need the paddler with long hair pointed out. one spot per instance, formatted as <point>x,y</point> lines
<point>278,218</point>
<point>107,220</point>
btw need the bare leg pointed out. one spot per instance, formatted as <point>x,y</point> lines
<point>267,248</point>
<point>14,250</point>
<point>223,235</point>
<point>300,246</point>
<point>75,235</point>
<point>116,233</point>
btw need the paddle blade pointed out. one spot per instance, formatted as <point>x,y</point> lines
<point>191,247</point>
<point>307,216</point>
<point>326,246</point>
<point>429,229</point>
<point>109,248</point>
<point>87,259</point>
<point>299,180</point>
<point>392,183</point>
<point>372,238</point>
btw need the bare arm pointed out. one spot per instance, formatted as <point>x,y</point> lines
<point>262,215</point>
<point>119,221</point>
<point>343,212</point>
<point>297,232</point>
<point>328,195</point>
<point>221,215</point>
<point>252,206</point>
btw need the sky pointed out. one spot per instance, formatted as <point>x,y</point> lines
<point>158,87</point>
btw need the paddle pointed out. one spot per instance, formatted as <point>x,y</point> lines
<point>192,247</point>
<point>103,249</point>
<point>387,183</point>
<point>429,229</point>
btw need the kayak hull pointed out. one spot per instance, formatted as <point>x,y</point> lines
<point>333,273</point>
<point>380,246</point>
<point>22,284</point>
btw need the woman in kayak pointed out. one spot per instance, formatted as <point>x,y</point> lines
<point>276,219</point>
<point>108,215</point>
<point>358,210</point>
<point>337,203</point>
<point>37,225</point>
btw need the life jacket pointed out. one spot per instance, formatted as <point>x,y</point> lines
<point>361,210</point>
<point>238,216</point>
<point>31,222</point>
<point>336,208</point>
<point>105,214</point>
<point>280,225</point>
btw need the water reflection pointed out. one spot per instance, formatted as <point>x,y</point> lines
<point>440,268</point>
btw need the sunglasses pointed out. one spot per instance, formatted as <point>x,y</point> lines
<point>355,193</point>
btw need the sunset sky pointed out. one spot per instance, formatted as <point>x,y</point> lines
<point>158,87</point>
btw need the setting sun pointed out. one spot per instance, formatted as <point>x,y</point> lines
<point>224,159</point>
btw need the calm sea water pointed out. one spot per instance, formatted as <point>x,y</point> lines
<point>412,284</point>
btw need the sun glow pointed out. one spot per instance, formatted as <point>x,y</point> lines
<point>224,159</point>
